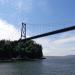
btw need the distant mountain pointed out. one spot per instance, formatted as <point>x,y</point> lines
<point>71,56</point>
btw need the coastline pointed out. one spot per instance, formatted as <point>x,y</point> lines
<point>21,59</point>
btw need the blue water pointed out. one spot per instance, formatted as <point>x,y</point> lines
<point>49,66</point>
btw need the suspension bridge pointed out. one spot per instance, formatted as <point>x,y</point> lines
<point>23,32</point>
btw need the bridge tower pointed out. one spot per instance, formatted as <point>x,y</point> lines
<point>23,31</point>
<point>23,36</point>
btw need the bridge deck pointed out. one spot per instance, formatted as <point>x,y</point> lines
<point>51,33</point>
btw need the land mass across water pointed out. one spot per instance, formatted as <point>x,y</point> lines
<point>19,50</point>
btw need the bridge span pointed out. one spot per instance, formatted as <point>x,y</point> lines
<point>51,33</point>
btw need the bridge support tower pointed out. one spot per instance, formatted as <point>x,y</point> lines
<point>23,31</point>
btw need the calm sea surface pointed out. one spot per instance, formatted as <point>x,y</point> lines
<point>49,66</point>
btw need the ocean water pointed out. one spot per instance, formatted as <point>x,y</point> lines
<point>49,66</point>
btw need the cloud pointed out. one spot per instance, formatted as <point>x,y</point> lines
<point>19,5</point>
<point>24,5</point>
<point>64,40</point>
<point>3,1</point>
<point>8,31</point>
<point>58,47</point>
<point>44,6</point>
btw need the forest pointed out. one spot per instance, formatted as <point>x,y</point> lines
<point>20,50</point>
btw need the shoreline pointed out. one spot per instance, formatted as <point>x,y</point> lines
<point>21,59</point>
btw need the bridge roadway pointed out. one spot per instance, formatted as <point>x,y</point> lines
<point>51,33</point>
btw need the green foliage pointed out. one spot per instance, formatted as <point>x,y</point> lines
<point>15,49</point>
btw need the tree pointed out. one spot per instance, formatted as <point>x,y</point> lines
<point>14,49</point>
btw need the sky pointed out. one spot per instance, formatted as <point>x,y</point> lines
<point>40,16</point>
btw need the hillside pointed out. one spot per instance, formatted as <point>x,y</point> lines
<point>20,50</point>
